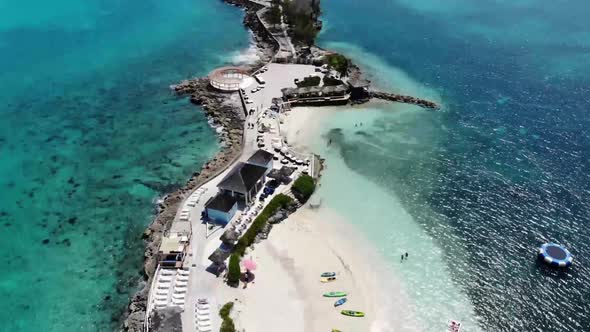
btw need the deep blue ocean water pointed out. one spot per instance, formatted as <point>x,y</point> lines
<point>90,135</point>
<point>505,166</point>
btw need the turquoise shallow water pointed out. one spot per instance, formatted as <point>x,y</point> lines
<point>90,135</point>
<point>471,191</point>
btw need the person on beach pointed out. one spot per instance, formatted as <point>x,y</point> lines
<point>402,258</point>
<point>246,279</point>
<point>406,255</point>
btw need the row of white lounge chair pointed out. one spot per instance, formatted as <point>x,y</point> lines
<point>202,316</point>
<point>166,295</point>
<point>194,197</point>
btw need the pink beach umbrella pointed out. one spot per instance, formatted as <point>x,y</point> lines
<point>249,264</point>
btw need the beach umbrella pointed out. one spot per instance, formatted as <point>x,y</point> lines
<point>249,264</point>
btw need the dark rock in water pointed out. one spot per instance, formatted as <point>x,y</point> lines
<point>117,176</point>
<point>4,214</point>
<point>53,158</point>
<point>72,220</point>
<point>46,241</point>
<point>184,133</point>
<point>108,297</point>
<point>7,224</point>
<point>66,242</point>
<point>71,180</point>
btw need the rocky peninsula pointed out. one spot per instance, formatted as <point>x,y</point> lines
<point>226,114</point>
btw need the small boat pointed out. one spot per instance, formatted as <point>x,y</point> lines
<point>335,294</point>
<point>454,326</point>
<point>329,279</point>
<point>340,302</point>
<point>328,274</point>
<point>352,313</point>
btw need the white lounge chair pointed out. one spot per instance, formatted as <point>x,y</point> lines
<point>162,292</point>
<point>183,272</point>
<point>181,278</point>
<point>165,278</point>
<point>201,300</point>
<point>178,301</point>
<point>202,317</point>
<point>179,296</point>
<point>166,272</point>
<point>205,329</point>
<point>204,323</point>
<point>203,312</point>
<point>163,285</point>
<point>161,302</point>
<point>203,307</point>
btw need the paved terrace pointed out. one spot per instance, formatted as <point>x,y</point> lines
<point>205,238</point>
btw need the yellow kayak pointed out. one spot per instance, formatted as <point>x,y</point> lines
<point>328,279</point>
<point>353,313</point>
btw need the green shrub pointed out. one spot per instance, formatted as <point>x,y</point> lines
<point>226,310</point>
<point>279,201</point>
<point>303,187</point>
<point>227,325</point>
<point>339,62</point>
<point>273,14</point>
<point>233,271</point>
<point>301,21</point>
<point>309,81</point>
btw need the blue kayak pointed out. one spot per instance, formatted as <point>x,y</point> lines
<point>340,302</point>
<point>328,274</point>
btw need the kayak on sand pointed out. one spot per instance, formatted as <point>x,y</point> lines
<point>353,313</point>
<point>335,294</point>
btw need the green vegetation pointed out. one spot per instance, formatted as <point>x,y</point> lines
<point>301,21</point>
<point>233,271</point>
<point>273,14</point>
<point>309,81</point>
<point>279,201</point>
<point>227,325</point>
<point>303,187</point>
<point>339,63</point>
<point>329,81</point>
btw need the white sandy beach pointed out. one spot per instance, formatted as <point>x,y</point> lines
<point>287,293</point>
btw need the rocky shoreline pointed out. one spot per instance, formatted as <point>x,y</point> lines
<point>225,114</point>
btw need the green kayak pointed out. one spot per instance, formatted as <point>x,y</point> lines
<point>335,294</point>
<point>352,313</point>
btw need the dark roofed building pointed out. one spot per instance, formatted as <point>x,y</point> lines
<point>359,88</point>
<point>334,90</point>
<point>262,158</point>
<point>221,208</point>
<point>244,181</point>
